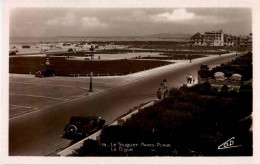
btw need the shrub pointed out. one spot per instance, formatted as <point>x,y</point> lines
<point>233,93</point>
<point>214,91</point>
<point>90,148</point>
<point>187,121</point>
<point>224,91</point>
<point>205,88</point>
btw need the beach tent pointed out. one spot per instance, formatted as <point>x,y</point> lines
<point>219,76</point>
<point>236,77</point>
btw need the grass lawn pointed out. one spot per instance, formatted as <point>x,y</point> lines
<point>63,67</point>
<point>175,57</point>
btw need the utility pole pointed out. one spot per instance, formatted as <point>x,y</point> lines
<point>190,56</point>
<point>151,47</point>
<point>91,72</point>
<point>41,47</point>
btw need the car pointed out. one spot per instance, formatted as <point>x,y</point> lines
<point>45,73</point>
<point>12,53</point>
<point>81,126</point>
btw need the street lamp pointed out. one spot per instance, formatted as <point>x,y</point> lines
<point>190,56</point>
<point>41,47</point>
<point>91,73</point>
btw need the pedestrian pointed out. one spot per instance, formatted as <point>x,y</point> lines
<point>193,79</point>
<point>166,93</point>
<point>190,78</point>
<point>164,83</point>
<point>187,78</point>
<point>159,94</point>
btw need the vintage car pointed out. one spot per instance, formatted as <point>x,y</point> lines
<point>83,126</point>
<point>45,73</point>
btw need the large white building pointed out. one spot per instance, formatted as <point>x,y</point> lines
<point>213,38</point>
<point>218,38</point>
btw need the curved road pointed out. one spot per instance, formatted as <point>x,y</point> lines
<point>39,133</point>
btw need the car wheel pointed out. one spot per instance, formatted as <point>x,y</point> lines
<point>71,130</point>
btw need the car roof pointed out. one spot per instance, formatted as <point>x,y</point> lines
<point>83,117</point>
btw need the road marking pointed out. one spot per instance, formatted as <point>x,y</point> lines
<point>48,107</point>
<point>17,106</point>
<point>84,79</point>
<point>37,96</point>
<point>47,85</point>
<point>107,84</point>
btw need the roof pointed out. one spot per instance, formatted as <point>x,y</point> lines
<point>236,75</point>
<point>219,74</point>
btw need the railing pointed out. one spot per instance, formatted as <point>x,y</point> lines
<point>97,75</point>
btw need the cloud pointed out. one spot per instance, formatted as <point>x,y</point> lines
<point>68,19</point>
<point>92,22</point>
<point>176,15</point>
<point>185,17</point>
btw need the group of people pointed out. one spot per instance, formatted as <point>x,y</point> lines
<point>163,90</point>
<point>190,79</point>
<point>163,86</point>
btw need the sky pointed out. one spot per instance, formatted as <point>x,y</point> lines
<point>82,22</point>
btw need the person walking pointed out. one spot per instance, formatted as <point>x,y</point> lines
<point>189,79</point>
<point>166,93</point>
<point>159,94</point>
<point>164,83</point>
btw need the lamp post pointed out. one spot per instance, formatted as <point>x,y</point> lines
<point>190,56</point>
<point>91,73</point>
<point>41,47</point>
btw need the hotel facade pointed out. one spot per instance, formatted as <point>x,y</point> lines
<point>218,38</point>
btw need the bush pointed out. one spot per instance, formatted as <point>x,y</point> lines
<point>233,93</point>
<point>187,121</point>
<point>246,88</point>
<point>90,148</point>
<point>224,91</point>
<point>202,89</point>
<point>205,73</point>
<point>205,88</point>
<point>214,91</point>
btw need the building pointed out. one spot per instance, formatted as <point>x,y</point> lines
<point>245,41</point>
<point>213,38</point>
<point>218,38</point>
<point>230,40</point>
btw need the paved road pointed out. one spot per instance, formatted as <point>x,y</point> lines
<point>39,133</point>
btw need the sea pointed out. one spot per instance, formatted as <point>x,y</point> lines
<point>34,40</point>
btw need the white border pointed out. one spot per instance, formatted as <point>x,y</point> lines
<point>7,5</point>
